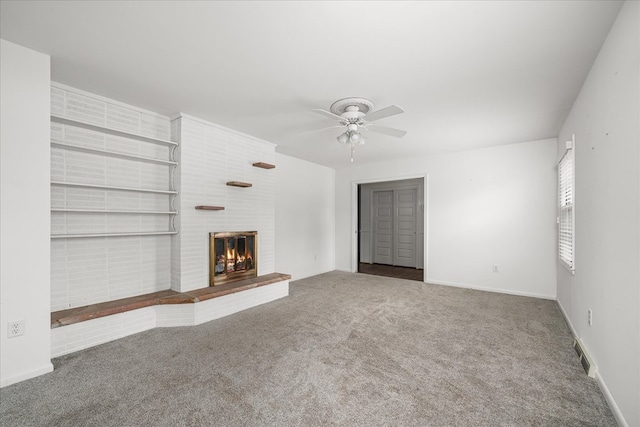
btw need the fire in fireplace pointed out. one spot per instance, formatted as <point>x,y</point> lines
<point>232,256</point>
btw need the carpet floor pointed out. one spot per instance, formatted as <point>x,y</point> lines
<point>343,349</point>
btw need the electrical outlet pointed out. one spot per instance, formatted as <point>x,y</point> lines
<point>590,317</point>
<point>495,268</point>
<point>15,328</point>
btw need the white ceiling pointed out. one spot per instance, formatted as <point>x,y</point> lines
<point>468,74</point>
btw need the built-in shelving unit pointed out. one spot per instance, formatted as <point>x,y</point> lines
<point>264,165</point>
<point>170,162</point>
<point>239,184</point>
<point>210,208</point>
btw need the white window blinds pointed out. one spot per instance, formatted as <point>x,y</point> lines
<point>565,209</point>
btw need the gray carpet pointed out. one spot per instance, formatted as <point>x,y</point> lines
<point>342,349</point>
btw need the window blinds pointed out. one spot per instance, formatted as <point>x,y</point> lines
<point>566,213</point>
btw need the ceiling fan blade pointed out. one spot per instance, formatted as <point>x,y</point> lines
<point>387,131</point>
<point>310,131</point>
<point>328,114</point>
<point>392,110</point>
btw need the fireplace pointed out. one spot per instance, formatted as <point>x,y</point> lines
<point>232,256</point>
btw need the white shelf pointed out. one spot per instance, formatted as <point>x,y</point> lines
<point>112,131</point>
<point>112,154</point>
<point>112,187</point>
<point>78,236</point>
<point>114,211</point>
<point>108,153</point>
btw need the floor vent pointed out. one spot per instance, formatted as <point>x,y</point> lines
<point>585,360</point>
<point>577,348</point>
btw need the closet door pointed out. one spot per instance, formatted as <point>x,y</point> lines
<point>405,227</point>
<point>383,227</point>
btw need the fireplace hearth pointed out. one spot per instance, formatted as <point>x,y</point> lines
<point>232,256</point>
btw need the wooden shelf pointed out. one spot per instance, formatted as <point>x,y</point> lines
<point>103,309</point>
<point>264,165</point>
<point>239,184</point>
<point>210,208</point>
<point>112,131</point>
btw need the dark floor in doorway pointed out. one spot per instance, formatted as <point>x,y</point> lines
<point>392,271</point>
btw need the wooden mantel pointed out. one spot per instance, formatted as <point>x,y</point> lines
<point>94,311</point>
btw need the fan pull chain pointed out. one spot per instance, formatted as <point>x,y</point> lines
<point>353,148</point>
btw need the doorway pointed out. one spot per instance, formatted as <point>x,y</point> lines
<point>391,229</point>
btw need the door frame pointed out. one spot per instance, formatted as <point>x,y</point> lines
<point>355,209</point>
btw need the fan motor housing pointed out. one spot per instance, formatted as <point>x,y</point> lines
<point>341,107</point>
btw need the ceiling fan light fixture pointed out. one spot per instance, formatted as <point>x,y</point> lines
<point>355,114</point>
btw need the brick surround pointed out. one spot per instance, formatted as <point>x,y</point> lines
<point>106,288</point>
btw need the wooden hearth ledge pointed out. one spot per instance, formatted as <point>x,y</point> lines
<point>94,311</point>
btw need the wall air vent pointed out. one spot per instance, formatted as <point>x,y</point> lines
<point>577,348</point>
<point>585,360</point>
<point>585,364</point>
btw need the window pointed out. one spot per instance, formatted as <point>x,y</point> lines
<point>565,208</point>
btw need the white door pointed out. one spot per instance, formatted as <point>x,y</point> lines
<point>404,228</point>
<point>383,227</point>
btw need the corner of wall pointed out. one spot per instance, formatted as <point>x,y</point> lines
<point>25,283</point>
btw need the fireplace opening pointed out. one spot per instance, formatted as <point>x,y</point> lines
<point>232,256</point>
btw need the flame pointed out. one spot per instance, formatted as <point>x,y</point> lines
<point>235,260</point>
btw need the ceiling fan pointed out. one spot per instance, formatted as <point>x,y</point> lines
<point>354,114</point>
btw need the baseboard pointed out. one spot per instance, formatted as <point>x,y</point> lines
<point>27,375</point>
<point>486,289</point>
<point>567,319</point>
<point>611,401</point>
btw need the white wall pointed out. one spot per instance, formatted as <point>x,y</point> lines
<point>305,220</point>
<point>210,156</point>
<point>605,120</point>
<point>24,212</point>
<point>483,207</point>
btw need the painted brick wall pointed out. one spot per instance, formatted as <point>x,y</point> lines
<point>78,336</point>
<point>91,270</point>
<point>209,156</point>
